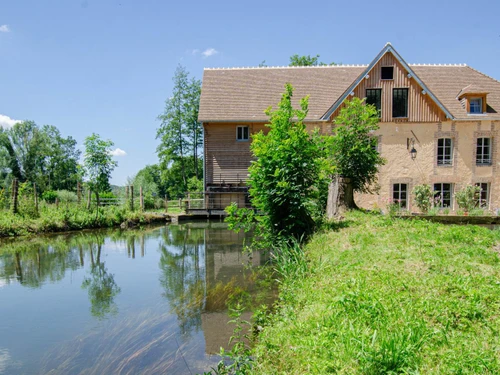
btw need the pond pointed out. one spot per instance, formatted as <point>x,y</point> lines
<point>150,301</point>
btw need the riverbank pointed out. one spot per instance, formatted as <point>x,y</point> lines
<point>72,217</point>
<point>384,295</point>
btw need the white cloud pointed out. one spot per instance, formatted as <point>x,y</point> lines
<point>4,29</point>
<point>118,152</point>
<point>194,51</point>
<point>7,122</point>
<point>209,52</point>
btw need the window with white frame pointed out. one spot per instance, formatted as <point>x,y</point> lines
<point>483,195</point>
<point>400,195</point>
<point>445,151</point>
<point>242,133</point>
<point>483,151</point>
<point>476,105</point>
<point>443,193</point>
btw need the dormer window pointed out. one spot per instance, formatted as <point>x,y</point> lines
<point>476,105</point>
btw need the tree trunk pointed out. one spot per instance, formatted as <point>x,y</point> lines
<point>340,197</point>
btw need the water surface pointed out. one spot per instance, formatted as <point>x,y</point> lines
<point>101,302</point>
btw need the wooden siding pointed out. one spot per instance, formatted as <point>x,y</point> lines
<point>226,159</point>
<point>421,108</point>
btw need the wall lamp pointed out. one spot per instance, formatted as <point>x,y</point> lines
<point>410,142</point>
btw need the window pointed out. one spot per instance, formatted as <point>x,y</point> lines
<point>483,196</point>
<point>387,72</point>
<point>483,151</point>
<point>476,105</point>
<point>442,195</point>
<point>242,133</point>
<point>445,151</point>
<point>400,103</point>
<point>400,195</point>
<point>374,97</point>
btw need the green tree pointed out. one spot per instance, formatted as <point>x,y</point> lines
<point>172,180</point>
<point>98,163</point>
<point>180,132</point>
<point>352,153</point>
<point>38,155</point>
<point>297,60</point>
<point>62,161</point>
<point>285,172</point>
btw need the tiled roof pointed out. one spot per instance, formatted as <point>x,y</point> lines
<point>242,94</point>
<point>446,82</point>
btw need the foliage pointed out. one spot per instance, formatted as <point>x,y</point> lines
<point>467,198</point>
<point>284,172</point>
<point>363,305</point>
<point>297,60</point>
<point>49,196</point>
<point>180,133</point>
<point>351,151</point>
<point>172,180</point>
<point>423,197</point>
<point>98,162</point>
<point>38,155</point>
<point>66,196</point>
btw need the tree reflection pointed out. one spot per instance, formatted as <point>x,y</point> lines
<point>181,275</point>
<point>100,285</point>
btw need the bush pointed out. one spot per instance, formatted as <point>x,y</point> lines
<point>467,197</point>
<point>423,196</point>
<point>66,196</point>
<point>49,196</point>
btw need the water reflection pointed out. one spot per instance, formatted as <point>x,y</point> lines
<point>103,308</point>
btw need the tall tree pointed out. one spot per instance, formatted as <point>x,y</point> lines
<point>98,163</point>
<point>304,60</point>
<point>352,153</point>
<point>285,172</point>
<point>180,132</point>
<point>62,160</point>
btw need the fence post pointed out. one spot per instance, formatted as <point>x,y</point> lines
<point>141,199</point>
<point>180,204</point>
<point>36,197</point>
<point>89,197</point>
<point>57,203</point>
<point>14,196</point>
<point>189,200</point>
<point>166,204</point>
<point>132,197</point>
<point>79,192</point>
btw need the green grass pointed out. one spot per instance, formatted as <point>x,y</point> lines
<point>67,217</point>
<point>388,296</point>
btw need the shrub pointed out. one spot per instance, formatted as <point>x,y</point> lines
<point>467,197</point>
<point>423,197</point>
<point>49,196</point>
<point>66,196</point>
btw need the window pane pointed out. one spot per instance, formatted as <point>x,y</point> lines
<point>387,72</point>
<point>400,103</point>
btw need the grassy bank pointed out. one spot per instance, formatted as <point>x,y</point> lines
<point>69,217</point>
<point>389,296</point>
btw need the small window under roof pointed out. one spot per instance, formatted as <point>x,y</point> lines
<point>387,72</point>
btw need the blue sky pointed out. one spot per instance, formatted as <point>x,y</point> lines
<point>106,66</point>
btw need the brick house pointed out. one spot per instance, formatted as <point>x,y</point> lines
<point>448,114</point>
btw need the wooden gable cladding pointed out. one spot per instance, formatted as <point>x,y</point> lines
<point>421,108</point>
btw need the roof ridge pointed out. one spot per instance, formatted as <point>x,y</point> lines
<point>486,75</point>
<point>289,67</point>
<point>439,65</point>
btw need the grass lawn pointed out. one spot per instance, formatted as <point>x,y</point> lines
<point>389,296</point>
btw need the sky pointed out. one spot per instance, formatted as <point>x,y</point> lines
<point>106,66</point>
